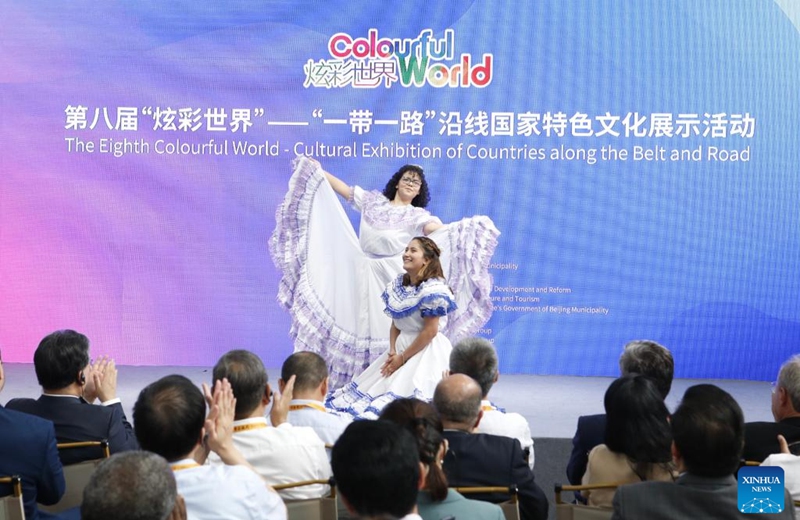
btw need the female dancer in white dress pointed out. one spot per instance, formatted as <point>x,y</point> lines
<point>332,280</point>
<point>418,303</point>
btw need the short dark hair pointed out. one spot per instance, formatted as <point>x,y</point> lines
<point>247,376</point>
<point>476,358</point>
<point>60,357</point>
<point>421,419</point>
<point>646,357</point>
<point>708,430</point>
<point>637,424</point>
<point>133,485</point>
<point>168,417</point>
<point>423,197</point>
<point>308,368</point>
<point>457,403</point>
<point>376,468</point>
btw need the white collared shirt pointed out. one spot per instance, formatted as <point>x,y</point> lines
<point>328,424</point>
<point>222,491</point>
<point>497,422</point>
<point>282,455</point>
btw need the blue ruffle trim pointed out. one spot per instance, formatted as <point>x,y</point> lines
<point>440,310</point>
<point>361,405</point>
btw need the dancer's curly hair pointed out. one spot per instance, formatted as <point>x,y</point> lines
<point>423,197</point>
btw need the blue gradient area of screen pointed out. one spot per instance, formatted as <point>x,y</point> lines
<point>163,259</point>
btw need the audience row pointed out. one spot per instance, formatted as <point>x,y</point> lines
<point>213,452</point>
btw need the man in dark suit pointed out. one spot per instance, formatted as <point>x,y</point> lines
<point>708,435</point>
<point>761,438</point>
<point>638,357</point>
<point>28,449</point>
<point>479,459</point>
<point>69,385</point>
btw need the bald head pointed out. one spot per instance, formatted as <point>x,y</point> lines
<point>458,400</point>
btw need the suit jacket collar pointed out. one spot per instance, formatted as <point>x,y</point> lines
<point>66,400</point>
<point>456,433</point>
<point>792,421</point>
<point>688,479</point>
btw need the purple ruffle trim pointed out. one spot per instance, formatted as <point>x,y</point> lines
<point>472,244</point>
<point>313,327</point>
<point>379,213</point>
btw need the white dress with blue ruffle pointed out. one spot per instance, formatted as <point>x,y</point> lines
<point>366,396</point>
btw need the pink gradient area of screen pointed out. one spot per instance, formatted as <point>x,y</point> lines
<point>144,280</point>
<point>49,280</point>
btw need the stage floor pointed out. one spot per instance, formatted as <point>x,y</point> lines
<point>552,404</point>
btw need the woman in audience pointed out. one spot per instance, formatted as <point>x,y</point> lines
<point>435,501</point>
<point>637,439</point>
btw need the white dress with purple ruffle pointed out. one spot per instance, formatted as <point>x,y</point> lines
<point>332,280</point>
<point>407,306</point>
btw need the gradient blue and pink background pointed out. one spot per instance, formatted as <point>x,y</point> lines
<point>163,259</point>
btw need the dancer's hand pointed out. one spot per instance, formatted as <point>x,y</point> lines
<point>392,365</point>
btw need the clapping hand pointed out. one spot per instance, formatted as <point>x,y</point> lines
<point>281,402</point>
<point>104,381</point>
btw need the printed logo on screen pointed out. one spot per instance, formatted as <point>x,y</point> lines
<point>372,60</point>
<point>761,489</point>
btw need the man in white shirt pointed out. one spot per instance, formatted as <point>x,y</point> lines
<point>790,462</point>
<point>307,408</point>
<point>170,420</point>
<point>281,453</point>
<point>476,358</point>
<point>377,470</point>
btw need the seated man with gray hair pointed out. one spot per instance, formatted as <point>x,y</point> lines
<point>477,358</point>
<point>134,485</point>
<point>761,438</point>
<point>644,357</point>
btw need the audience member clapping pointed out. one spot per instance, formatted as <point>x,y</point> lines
<point>70,384</point>
<point>280,453</point>
<point>170,420</point>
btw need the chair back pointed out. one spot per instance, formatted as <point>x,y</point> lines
<point>565,511</point>
<point>322,508</point>
<point>11,506</point>
<point>510,507</point>
<point>76,476</point>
